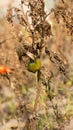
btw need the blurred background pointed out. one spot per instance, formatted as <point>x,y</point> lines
<point>25,82</point>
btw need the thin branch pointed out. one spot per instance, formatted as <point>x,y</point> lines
<point>38,92</point>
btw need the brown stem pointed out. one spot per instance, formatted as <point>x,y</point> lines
<point>38,92</point>
<point>32,123</point>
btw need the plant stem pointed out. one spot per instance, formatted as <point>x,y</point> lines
<point>38,92</point>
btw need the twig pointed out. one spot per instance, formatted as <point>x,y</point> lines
<point>38,92</point>
<point>1,42</point>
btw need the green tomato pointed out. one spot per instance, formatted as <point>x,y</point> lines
<point>34,66</point>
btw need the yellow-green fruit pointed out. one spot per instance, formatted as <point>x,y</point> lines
<point>34,66</point>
